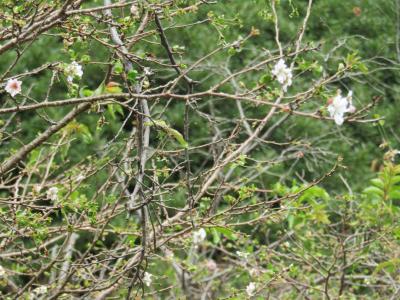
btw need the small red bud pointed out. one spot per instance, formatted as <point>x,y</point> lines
<point>112,84</point>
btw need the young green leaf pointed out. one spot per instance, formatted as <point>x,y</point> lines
<point>170,131</point>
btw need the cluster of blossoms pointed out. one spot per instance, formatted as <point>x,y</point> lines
<point>340,105</point>
<point>243,255</point>
<point>39,291</point>
<point>52,193</point>
<point>73,70</point>
<point>283,74</point>
<point>13,87</point>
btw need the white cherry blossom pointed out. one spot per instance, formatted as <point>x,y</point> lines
<point>147,278</point>
<point>283,74</point>
<point>2,272</point>
<point>40,290</point>
<point>52,193</point>
<point>199,236</point>
<point>73,70</point>
<point>80,177</point>
<point>352,108</point>
<point>340,105</point>
<point>244,255</point>
<point>13,87</point>
<point>37,188</point>
<point>251,289</point>
<point>135,11</point>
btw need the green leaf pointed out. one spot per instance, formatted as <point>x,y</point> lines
<point>113,109</point>
<point>100,89</point>
<point>390,266</point>
<point>170,131</point>
<point>85,92</point>
<point>216,236</point>
<point>394,194</point>
<point>373,190</point>
<point>132,75</point>
<point>64,150</point>
<point>362,67</point>
<point>314,193</point>
<point>264,79</point>
<point>226,232</point>
<point>319,214</point>
<point>86,135</point>
<point>377,182</point>
<point>290,220</point>
<point>396,179</point>
<point>85,58</point>
<point>33,157</point>
<point>118,67</point>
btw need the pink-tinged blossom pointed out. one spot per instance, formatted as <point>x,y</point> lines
<point>13,87</point>
<point>339,105</point>
<point>211,265</point>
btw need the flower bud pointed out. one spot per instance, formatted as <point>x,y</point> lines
<point>211,265</point>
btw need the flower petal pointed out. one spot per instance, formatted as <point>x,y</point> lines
<point>339,119</point>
